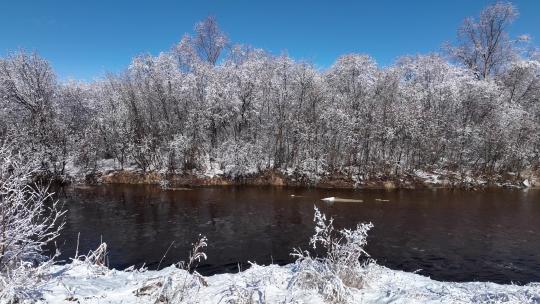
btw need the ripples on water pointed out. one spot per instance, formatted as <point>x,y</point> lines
<point>446,234</point>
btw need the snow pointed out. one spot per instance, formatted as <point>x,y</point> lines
<point>86,283</point>
<point>212,169</point>
<point>428,178</point>
<point>342,200</point>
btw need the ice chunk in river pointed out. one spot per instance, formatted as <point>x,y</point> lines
<point>339,199</point>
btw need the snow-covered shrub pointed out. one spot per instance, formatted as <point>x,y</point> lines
<point>196,255</point>
<point>344,265</point>
<point>97,257</point>
<point>144,154</point>
<point>29,219</point>
<point>251,287</point>
<point>240,157</point>
<point>179,148</point>
<point>312,168</point>
<point>22,283</point>
<point>178,286</point>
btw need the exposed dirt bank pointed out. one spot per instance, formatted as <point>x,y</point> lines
<point>418,180</point>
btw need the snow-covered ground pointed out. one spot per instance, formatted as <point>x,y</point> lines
<point>84,283</point>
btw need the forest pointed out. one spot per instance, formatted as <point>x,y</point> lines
<point>472,107</point>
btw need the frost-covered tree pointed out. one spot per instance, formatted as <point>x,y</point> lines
<point>484,45</point>
<point>210,40</point>
<point>351,81</point>
<point>28,95</point>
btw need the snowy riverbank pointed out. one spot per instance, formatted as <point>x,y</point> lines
<point>110,172</point>
<point>82,283</point>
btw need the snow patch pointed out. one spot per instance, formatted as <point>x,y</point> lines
<point>269,284</point>
<point>428,178</point>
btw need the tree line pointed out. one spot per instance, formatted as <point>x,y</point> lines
<point>207,101</point>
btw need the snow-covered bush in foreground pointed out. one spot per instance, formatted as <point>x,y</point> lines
<point>342,267</point>
<point>29,219</point>
<point>179,286</point>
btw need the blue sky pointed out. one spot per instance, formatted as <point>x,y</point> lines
<point>85,39</point>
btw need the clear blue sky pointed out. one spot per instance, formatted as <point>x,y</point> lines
<point>84,39</point>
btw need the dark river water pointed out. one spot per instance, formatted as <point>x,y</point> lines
<point>448,235</point>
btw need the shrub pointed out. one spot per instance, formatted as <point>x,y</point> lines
<point>343,266</point>
<point>178,286</point>
<point>29,219</point>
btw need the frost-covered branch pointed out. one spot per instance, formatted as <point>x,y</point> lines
<point>29,219</point>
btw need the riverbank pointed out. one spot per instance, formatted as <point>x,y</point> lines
<point>108,173</point>
<point>79,282</point>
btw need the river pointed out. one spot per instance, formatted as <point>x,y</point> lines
<point>449,235</point>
